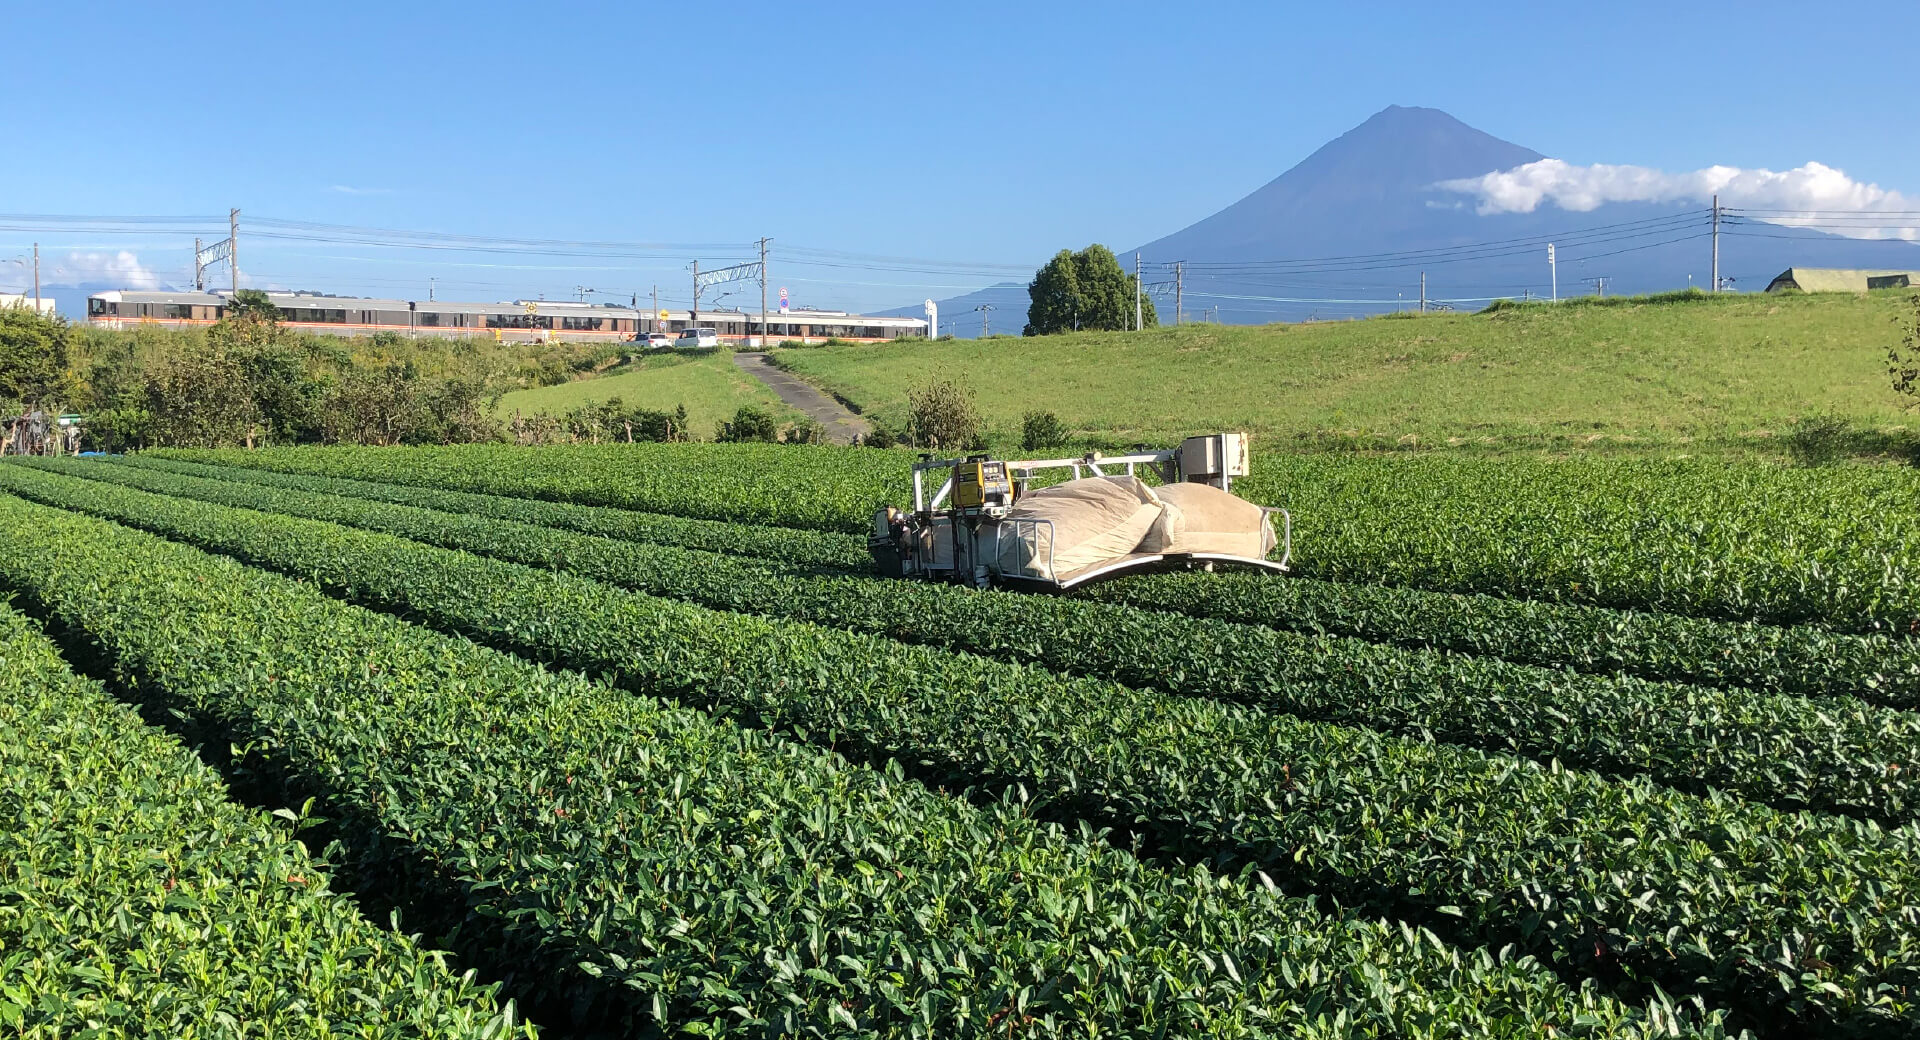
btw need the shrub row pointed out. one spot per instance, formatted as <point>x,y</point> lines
<point>815,487</point>
<point>137,900</point>
<point>1807,660</point>
<point>1837,547</point>
<point>1782,913</point>
<point>651,860</point>
<point>781,545</point>
<point>1837,754</point>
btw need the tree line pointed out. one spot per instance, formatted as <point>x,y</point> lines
<point>246,381</point>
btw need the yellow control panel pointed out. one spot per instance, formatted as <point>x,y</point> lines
<point>980,483</point>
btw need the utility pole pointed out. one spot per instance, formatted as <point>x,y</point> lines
<point>654,318</point>
<point>233,246</point>
<point>1423,292</point>
<point>36,278</point>
<point>693,316</point>
<point>199,282</point>
<point>1179,291</point>
<point>1136,291</point>
<point>985,322</point>
<point>1554,270</point>
<point>763,290</point>
<point>430,282</point>
<point>1716,243</point>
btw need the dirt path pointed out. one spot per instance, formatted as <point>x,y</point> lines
<point>842,426</point>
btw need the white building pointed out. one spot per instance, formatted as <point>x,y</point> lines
<point>24,301</point>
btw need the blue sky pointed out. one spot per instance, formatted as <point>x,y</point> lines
<point>986,133</point>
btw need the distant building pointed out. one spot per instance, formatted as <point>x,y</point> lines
<point>1840,279</point>
<point>24,301</point>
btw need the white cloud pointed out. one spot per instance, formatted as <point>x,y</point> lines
<point>348,190</point>
<point>122,269</point>
<point>1796,194</point>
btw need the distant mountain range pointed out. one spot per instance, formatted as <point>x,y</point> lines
<point>1350,230</point>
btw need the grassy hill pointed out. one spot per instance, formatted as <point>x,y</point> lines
<point>708,384</point>
<point>1685,375</point>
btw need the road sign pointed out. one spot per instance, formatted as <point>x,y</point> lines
<point>663,315</point>
<point>783,305</point>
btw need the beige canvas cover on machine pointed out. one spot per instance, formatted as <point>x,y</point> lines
<point>1201,518</point>
<point>1092,521</point>
<point>1100,519</point>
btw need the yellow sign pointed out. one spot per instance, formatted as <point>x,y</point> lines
<point>532,307</point>
<point>663,315</point>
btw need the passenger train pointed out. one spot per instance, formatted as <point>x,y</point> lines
<point>518,321</point>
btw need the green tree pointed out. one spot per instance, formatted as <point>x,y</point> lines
<point>941,414</point>
<point>1903,358</point>
<point>1083,290</point>
<point>381,405</point>
<point>288,398</point>
<point>33,358</point>
<point>749,424</point>
<point>252,305</point>
<point>201,398</point>
<point>251,323</point>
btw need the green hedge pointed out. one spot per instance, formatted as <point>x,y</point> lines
<point>1835,754</point>
<point>1837,546</point>
<point>783,545</point>
<point>1781,913</point>
<point>1806,659</point>
<point>136,900</point>
<point>652,860</point>
<point>815,487</point>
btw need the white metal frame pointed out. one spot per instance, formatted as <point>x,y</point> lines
<point>1165,465</point>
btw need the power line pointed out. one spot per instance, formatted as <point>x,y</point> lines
<point>1649,225</point>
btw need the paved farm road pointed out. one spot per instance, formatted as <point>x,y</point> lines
<point>842,426</point>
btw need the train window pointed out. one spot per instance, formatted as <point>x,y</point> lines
<point>427,319</point>
<point>96,306</point>
<point>178,310</point>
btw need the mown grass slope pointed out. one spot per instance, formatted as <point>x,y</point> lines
<point>708,384</point>
<point>1688,374</point>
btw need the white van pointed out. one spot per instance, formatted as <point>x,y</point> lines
<point>697,338</point>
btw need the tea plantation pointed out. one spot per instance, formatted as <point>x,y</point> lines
<point>627,740</point>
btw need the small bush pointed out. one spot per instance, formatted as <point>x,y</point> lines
<point>749,424</point>
<point>1821,439</point>
<point>941,415</point>
<point>879,436</point>
<point>806,431</point>
<point>1041,430</point>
